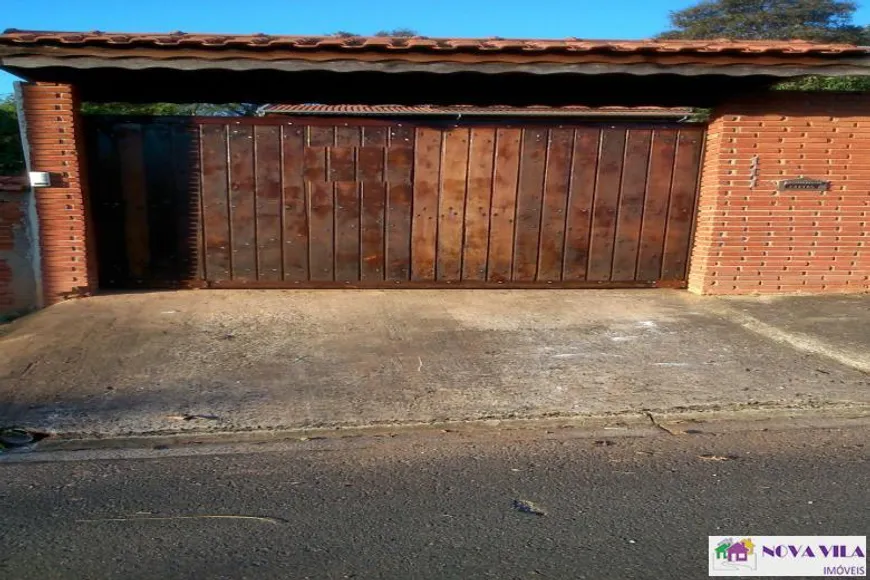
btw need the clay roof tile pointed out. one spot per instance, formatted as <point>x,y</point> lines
<point>419,43</point>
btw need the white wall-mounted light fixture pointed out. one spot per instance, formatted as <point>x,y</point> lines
<point>40,179</point>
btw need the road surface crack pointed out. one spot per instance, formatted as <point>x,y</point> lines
<point>658,425</point>
<point>269,520</point>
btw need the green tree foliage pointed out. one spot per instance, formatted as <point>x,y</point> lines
<point>395,33</point>
<point>11,157</point>
<point>841,84</point>
<point>815,20</point>
<point>135,109</point>
<point>171,109</point>
<point>398,33</point>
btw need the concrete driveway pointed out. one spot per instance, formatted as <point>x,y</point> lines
<point>247,360</point>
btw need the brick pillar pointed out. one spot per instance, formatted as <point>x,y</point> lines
<point>54,141</point>
<point>752,238</point>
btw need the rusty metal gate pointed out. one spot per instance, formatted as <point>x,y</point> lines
<point>296,202</point>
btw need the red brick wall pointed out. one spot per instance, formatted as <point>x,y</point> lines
<point>12,189</point>
<point>755,239</point>
<point>17,281</point>
<point>52,119</point>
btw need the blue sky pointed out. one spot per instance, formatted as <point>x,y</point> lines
<point>469,18</point>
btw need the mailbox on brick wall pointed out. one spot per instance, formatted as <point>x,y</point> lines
<point>803,184</point>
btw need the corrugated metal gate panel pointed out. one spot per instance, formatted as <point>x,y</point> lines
<point>298,203</point>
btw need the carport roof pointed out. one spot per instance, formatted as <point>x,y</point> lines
<point>351,43</point>
<point>184,67</point>
<point>30,49</point>
<point>470,110</point>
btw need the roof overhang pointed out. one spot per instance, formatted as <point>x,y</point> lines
<point>395,111</point>
<point>116,66</point>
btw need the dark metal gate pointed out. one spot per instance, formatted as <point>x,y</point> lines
<point>297,202</point>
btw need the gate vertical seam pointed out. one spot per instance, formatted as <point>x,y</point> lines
<point>568,201</point>
<point>282,200</point>
<point>328,153</point>
<point>670,197</point>
<point>359,222</point>
<point>230,203</point>
<point>492,174</point>
<point>465,203</point>
<point>386,213</point>
<point>361,133</point>
<point>413,185</point>
<point>522,150</point>
<point>359,204</point>
<point>255,164</point>
<point>619,201</point>
<point>441,148</point>
<point>591,220</point>
<point>413,198</point>
<point>306,185</point>
<point>334,229</point>
<point>652,138</point>
<point>385,176</point>
<point>544,180</point>
<point>203,249</point>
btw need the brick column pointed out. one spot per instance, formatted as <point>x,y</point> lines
<point>751,238</point>
<point>54,142</point>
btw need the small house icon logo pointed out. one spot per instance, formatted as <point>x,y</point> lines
<point>744,556</point>
<point>734,554</point>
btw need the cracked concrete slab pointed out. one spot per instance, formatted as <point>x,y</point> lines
<point>247,360</point>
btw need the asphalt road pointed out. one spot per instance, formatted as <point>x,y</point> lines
<point>429,505</point>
